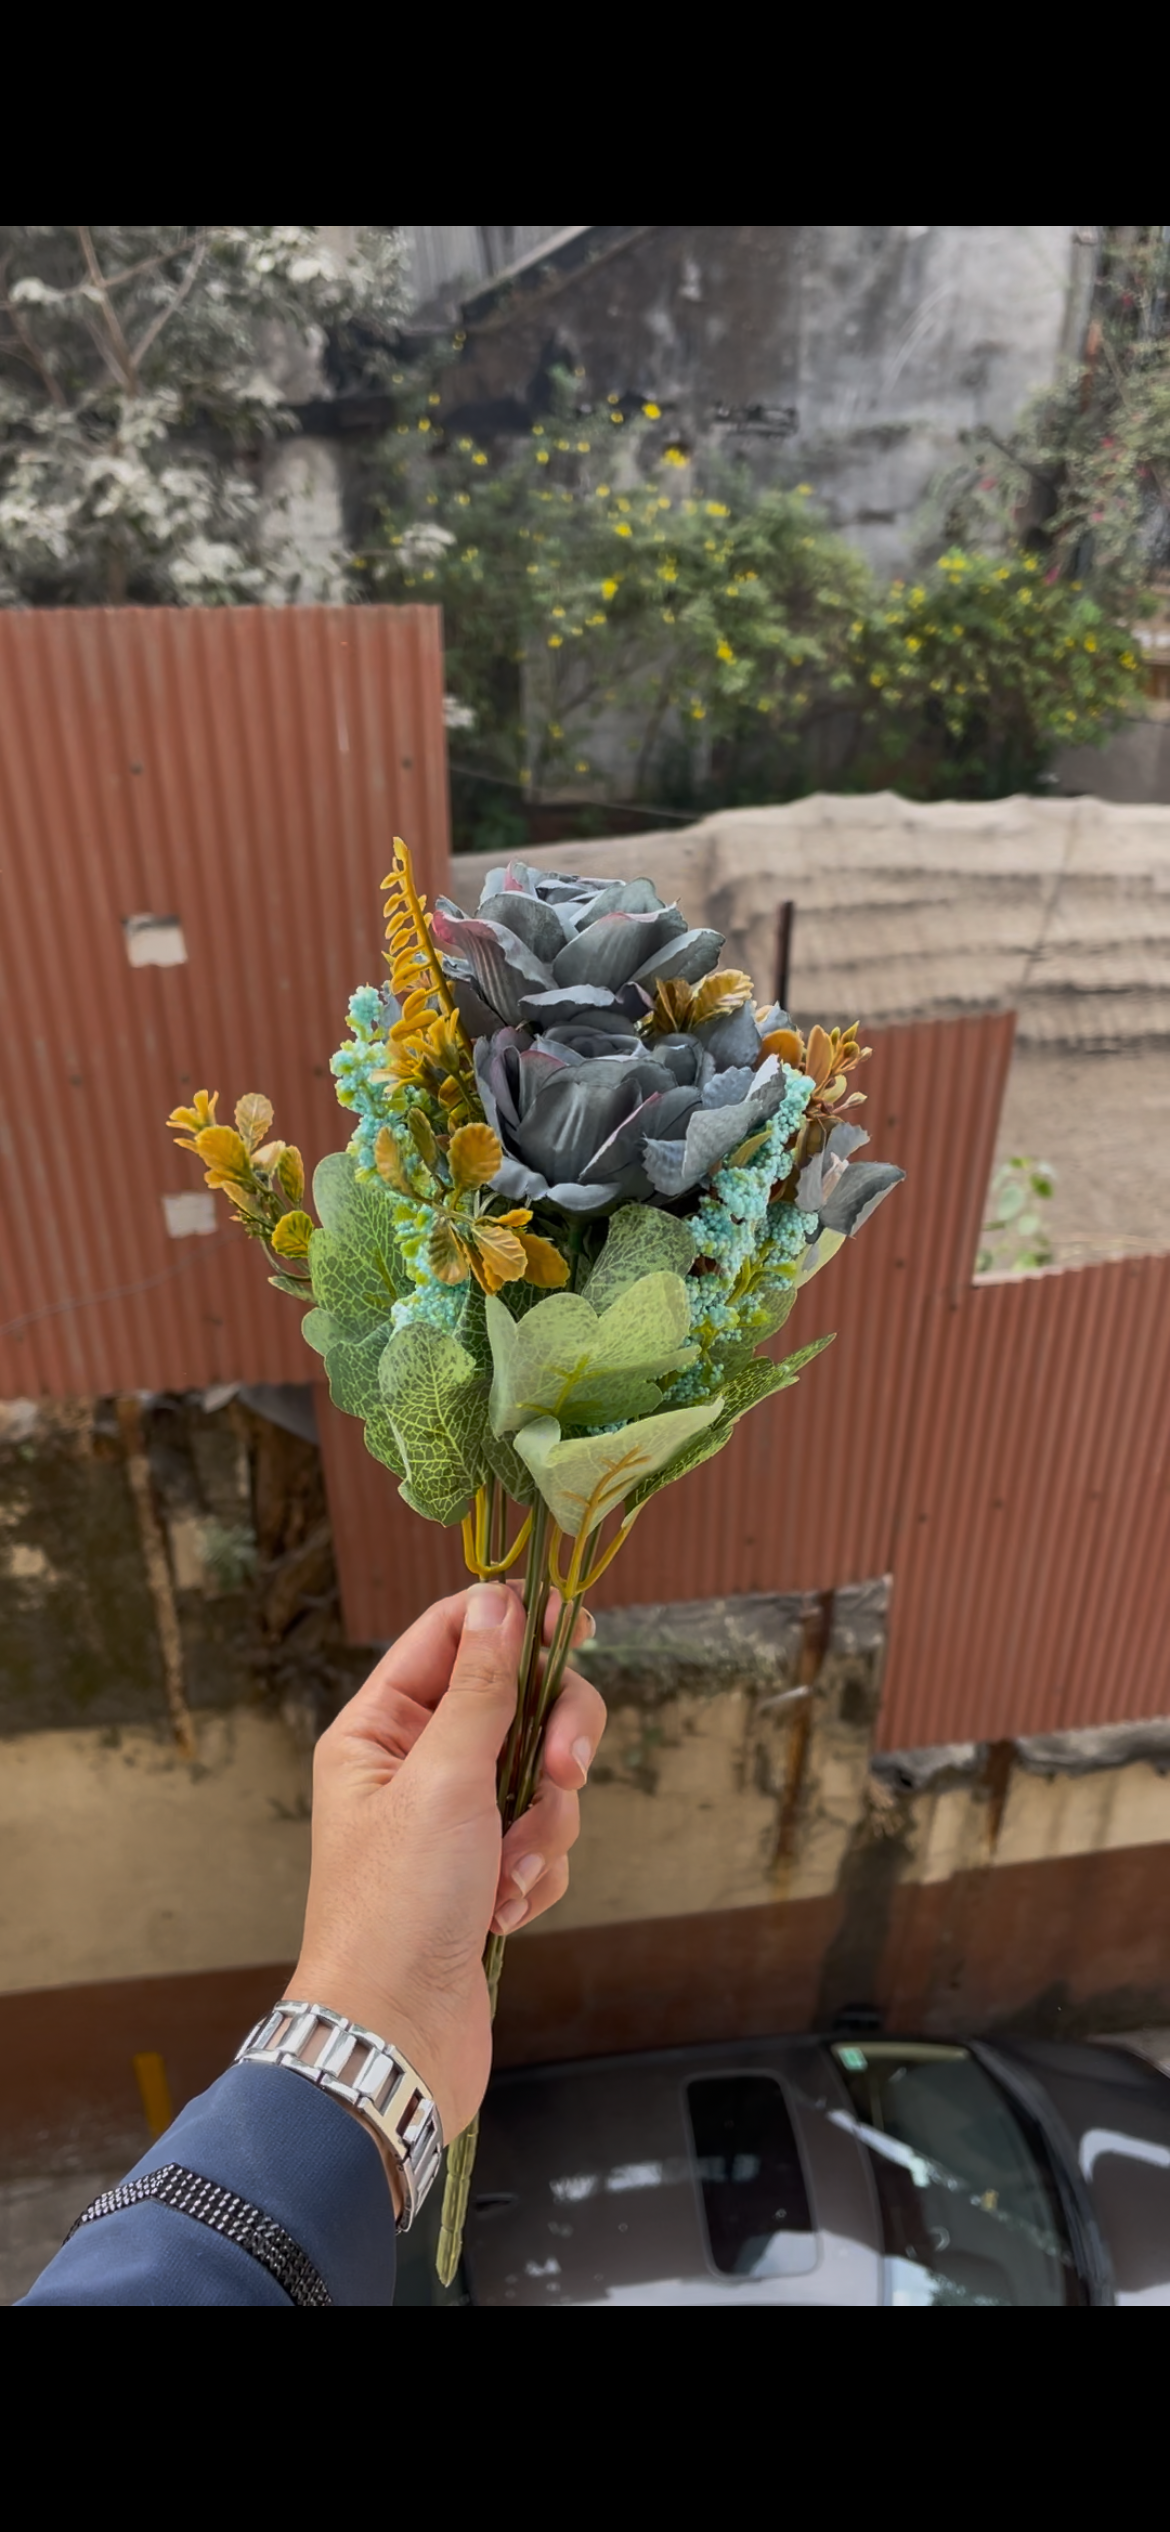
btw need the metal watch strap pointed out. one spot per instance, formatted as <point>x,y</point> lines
<point>372,2078</point>
<point>264,2240</point>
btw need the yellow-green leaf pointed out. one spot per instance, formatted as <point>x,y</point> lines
<point>448,1257</point>
<point>421,1135</point>
<point>546,1266</point>
<point>253,1118</point>
<point>292,1234</point>
<point>223,1151</point>
<point>197,1117</point>
<point>474,1155</point>
<point>499,1255</point>
<point>389,1163</point>
<point>291,1171</point>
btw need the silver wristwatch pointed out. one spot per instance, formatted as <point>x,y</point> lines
<point>372,2078</point>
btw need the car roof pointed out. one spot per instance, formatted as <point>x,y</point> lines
<point>586,2192</point>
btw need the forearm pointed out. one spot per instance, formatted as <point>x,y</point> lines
<point>279,2145</point>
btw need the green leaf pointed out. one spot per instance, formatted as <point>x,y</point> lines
<point>566,1361</point>
<point>824,1247</point>
<point>357,1270</point>
<point>758,1380</point>
<point>351,1369</point>
<point>506,1464</point>
<point>640,1241</point>
<point>595,1471</point>
<point>299,1286</point>
<point>473,1333</point>
<point>380,1441</point>
<point>437,1408</point>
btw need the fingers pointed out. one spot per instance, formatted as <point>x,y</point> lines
<point>515,1911</point>
<point>574,1731</point>
<point>466,1731</point>
<point>534,1869</point>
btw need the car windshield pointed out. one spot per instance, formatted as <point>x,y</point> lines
<point>969,2206</point>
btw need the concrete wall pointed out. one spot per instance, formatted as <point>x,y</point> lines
<point>852,357</point>
<point>744,1865</point>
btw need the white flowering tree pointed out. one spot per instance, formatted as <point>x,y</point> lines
<point>144,372</point>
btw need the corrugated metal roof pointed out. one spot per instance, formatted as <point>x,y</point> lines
<point>805,1496</point>
<point>1032,1588</point>
<point>244,771</point>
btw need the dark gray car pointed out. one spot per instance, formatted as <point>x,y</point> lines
<point>853,2169</point>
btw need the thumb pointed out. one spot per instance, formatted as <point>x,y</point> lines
<point>472,1717</point>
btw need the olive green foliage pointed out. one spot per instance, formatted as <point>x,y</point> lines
<point>587,576</point>
<point>1083,482</point>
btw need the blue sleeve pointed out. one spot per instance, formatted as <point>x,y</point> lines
<point>285,2147</point>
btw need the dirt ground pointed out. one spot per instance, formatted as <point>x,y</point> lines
<point>1103,1121</point>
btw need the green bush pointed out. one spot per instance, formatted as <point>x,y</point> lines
<point>741,650</point>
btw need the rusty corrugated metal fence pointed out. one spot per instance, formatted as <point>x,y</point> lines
<point>1032,1578</point>
<point>236,776</point>
<point>243,770</point>
<point>805,1496</point>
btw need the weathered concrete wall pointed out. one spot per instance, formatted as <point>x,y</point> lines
<point>849,357</point>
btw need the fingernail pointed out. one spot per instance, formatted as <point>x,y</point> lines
<point>583,1753</point>
<point>487,1608</point>
<point>528,1870</point>
<point>591,1623</point>
<point>510,1914</point>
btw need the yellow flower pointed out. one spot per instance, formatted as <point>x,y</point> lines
<point>609,589</point>
<point>623,528</point>
<point>698,712</point>
<point>582,448</point>
<point>479,459</point>
<point>667,571</point>
<point>423,422</point>
<point>463,498</point>
<point>558,610</point>
<point>1003,573</point>
<point>595,619</point>
<point>912,642</point>
<point>542,457</point>
<point>856,627</point>
<point>555,730</point>
<point>653,412</point>
<point>1090,644</point>
<point>917,597</point>
<point>623,504</point>
<point>804,491</point>
<point>724,651</point>
<point>877,678</point>
<point>663,501</point>
<point>617,417</point>
<point>432,399</point>
<point>1128,660</point>
<point>555,641</point>
<point>538,430</point>
<point>718,510</point>
<point>668,615</point>
<point>603,492</point>
<point>581,767</point>
<point>674,457</point>
<point>1030,563</point>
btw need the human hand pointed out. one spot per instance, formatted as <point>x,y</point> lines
<point>409,1870</point>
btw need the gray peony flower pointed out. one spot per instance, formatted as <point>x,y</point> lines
<point>546,949</point>
<point>643,1123</point>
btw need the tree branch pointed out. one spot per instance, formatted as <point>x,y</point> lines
<point>154,329</point>
<point>125,368</point>
<point>29,349</point>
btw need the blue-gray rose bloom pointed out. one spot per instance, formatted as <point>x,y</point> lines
<point>551,975</point>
